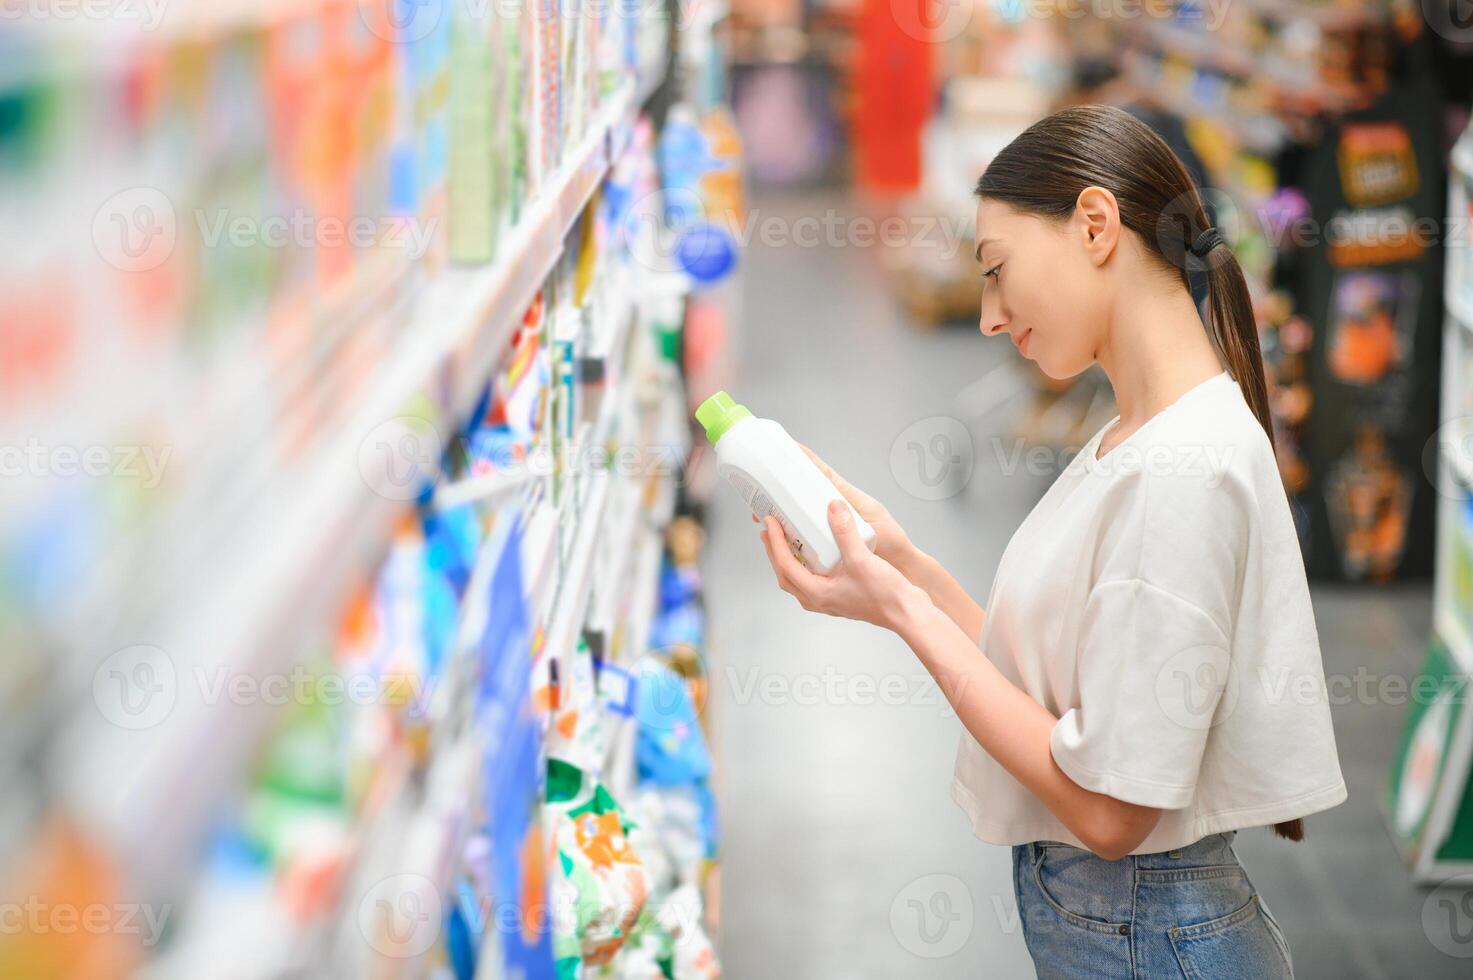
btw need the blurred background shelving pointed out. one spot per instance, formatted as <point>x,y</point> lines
<point>385,293</point>
<point>354,544</point>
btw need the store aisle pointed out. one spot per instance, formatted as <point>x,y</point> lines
<point>844,856</point>
<point>837,748</point>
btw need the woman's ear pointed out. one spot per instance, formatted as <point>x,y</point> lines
<point>1098,214</point>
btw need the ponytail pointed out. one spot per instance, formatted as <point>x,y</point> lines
<point>1234,332</point>
<point>1044,170</point>
<point>1231,324</point>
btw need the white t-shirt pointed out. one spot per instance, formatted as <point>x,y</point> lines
<point>1156,602</point>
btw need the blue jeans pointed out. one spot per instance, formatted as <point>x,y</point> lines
<point>1188,913</point>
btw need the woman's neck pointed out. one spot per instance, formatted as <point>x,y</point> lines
<point>1155,351</point>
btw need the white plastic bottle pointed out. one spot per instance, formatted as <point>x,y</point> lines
<point>775,476</point>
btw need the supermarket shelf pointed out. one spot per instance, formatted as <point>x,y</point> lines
<point>60,46</point>
<point>626,613</point>
<point>1459,308</point>
<point>540,559</point>
<point>612,352</point>
<point>482,489</point>
<point>647,575</point>
<point>504,294</point>
<point>448,331</point>
<point>459,669</point>
<point>638,514</point>
<point>183,20</point>
<point>1324,14</point>
<point>1454,634</point>
<point>602,616</point>
<point>289,568</point>
<point>381,823</point>
<point>702,16</point>
<point>313,543</point>
<point>442,348</point>
<point>1194,46</point>
<point>1462,156</point>
<point>1291,86</point>
<point>1461,468</point>
<point>1455,435</point>
<point>1257,132</point>
<point>619,764</point>
<point>575,583</point>
<point>610,342</point>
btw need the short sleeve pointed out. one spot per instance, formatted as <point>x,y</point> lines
<point>1152,669</point>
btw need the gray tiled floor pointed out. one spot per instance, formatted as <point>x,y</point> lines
<point>844,857</point>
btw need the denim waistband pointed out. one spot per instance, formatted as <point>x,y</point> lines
<point>1212,850</point>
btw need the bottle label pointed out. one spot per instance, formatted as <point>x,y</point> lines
<point>762,506</point>
<point>744,486</point>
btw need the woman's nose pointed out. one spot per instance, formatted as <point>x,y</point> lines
<point>992,321</point>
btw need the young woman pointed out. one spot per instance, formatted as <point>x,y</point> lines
<point>1149,680</point>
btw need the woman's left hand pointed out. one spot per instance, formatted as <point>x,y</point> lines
<point>864,586</point>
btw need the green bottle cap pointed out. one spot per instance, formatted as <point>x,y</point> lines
<point>719,413</point>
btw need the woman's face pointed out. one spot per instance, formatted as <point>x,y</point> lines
<point>1041,286</point>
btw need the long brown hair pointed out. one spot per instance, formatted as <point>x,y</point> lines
<point>1043,171</point>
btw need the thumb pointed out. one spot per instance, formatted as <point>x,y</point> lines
<point>841,520</point>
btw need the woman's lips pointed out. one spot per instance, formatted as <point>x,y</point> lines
<point>1023,343</point>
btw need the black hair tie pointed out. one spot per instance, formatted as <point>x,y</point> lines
<point>1206,242</point>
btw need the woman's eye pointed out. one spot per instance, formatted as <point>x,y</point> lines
<point>992,272</point>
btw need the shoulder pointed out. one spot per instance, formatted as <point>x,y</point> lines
<point>1187,495</point>
<point>1212,454</point>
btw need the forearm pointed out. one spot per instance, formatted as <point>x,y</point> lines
<point>1015,729</point>
<point>946,593</point>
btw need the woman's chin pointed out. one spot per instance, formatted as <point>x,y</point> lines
<point>1055,371</point>
<point>1043,365</point>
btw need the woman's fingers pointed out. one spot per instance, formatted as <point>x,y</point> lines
<point>793,578</point>
<point>772,554</point>
<point>783,582</point>
<point>777,550</point>
<point>841,523</point>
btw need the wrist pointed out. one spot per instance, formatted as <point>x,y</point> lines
<point>908,613</point>
<point>909,560</point>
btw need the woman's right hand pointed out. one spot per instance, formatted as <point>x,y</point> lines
<point>891,541</point>
<point>894,546</point>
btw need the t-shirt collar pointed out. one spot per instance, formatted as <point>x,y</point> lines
<point>1087,454</point>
